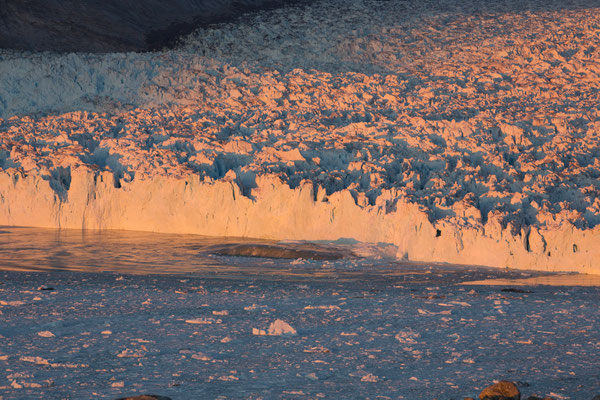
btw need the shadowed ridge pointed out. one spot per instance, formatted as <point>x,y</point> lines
<point>112,25</point>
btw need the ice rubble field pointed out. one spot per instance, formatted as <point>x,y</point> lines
<point>480,118</point>
<point>416,336</point>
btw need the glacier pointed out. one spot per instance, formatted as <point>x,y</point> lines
<point>449,133</point>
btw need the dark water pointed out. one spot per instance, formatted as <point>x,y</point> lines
<point>38,249</point>
<point>113,25</point>
<point>147,253</point>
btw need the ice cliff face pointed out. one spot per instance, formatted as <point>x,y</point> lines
<point>91,200</point>
<point>461,136</point>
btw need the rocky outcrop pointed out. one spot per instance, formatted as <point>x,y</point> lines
<point>503,390</point>
<point>145,397</point>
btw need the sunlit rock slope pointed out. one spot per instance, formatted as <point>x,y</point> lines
<point>460,132</point>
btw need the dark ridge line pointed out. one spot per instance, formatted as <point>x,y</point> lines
<point>113,26</point>
<point>173,35</point>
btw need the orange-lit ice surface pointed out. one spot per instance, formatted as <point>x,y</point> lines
<point>460,132</point>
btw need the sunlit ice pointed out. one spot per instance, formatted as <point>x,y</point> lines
<point>325,199</point>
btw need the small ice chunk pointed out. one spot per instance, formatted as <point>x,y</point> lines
<point>11,303</point>
<point>407,337</point>
<point>280,327</point>
<point>316,349</point>
<point>200,321</point>
<point>369,378</point>
<point>327,307</point>
<point>129,353</point>
<point>35,359</point>
<point>259,332</point>
<point>46,334</point>
<point>277,328</point>
<point>200,356</point>
<point>312,376</point>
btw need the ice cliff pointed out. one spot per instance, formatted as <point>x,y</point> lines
<point>466,136</point>
<point>91,200</point>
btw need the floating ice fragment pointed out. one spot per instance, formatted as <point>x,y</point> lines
<point>11,303</point>
<point>131,353</point>
<point>200,356</point>
<point>46,334</point>
<point>277,328</point>
<point>369,378</point>
<point>461,303</point>
<point>35,359</point>
<point>558,396</point>
<point>259,332</point>
<point>407,337</point>
<point>200,321</point>
<point>329,308</point>
<point>312,376</point>
<point>316,349</point>
<point>280,327</point>
<point>229,378</point>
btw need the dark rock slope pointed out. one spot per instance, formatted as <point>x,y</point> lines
<point>112,25</point>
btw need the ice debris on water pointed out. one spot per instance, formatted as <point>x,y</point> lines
<point>277,328</point>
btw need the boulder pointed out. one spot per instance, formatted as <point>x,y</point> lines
<point>503,390</point>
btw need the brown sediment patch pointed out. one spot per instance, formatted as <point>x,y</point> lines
<point>284,251</point>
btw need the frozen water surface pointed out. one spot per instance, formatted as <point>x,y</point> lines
<point>136,312</point>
